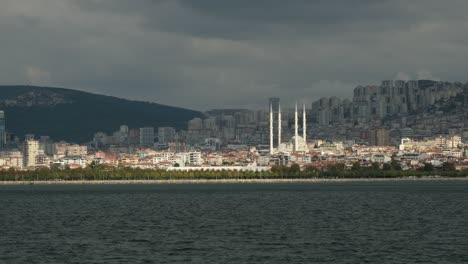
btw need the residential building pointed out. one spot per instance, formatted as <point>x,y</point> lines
<point>73,161</point>
<point>146,137</point>
<point>166,135</point>
<point>31,150</point>
<point>380,137</point>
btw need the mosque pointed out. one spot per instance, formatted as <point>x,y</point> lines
<point>296,143</point>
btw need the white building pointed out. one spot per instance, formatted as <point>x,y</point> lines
<point>221,168</point>
<point>73,161</point>
<point>455,142</point>
<point>194,158</point>
<point>65,149</point>
<point>296,143</point>
<point>161,157</point>
<point>31,150</point>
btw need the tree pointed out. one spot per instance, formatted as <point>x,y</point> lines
<point>55,166</point>
<point>375,166</point>
<point>356,166</point>
<point>448,166</point>
<point>177,165</point>
<point>427,167</point>
<point>92,164</point>
<point>394,164</point>
<point>337,167</point>
<point>294,169</point>
<point>310,169</point>
<point>387,167</point>
<point>336,170</point>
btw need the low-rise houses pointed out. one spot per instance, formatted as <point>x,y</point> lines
<point>73,161</point>
<point>11,160</point>
<point>410,154</point>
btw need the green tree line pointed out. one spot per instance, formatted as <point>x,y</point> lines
<point>277,172</point>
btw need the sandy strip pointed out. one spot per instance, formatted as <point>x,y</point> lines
<point>217,181</point>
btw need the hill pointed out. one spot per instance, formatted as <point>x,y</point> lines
<point>65,114</point>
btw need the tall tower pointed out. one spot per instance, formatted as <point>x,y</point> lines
<point>274,103</point>
<point>2,129</point>
<point>304,123</point>
<point>296,134</point>
<point>279,125</point>
<point>271,129</point>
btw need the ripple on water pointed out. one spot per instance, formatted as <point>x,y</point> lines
<point>393,222</point>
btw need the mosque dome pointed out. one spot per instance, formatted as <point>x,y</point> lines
<point>301,143</point>
<point>299,140</point>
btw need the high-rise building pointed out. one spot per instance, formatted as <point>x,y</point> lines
<point>31,150</point>
<point>377,102</point>
<point>123,129</point>
<point>146,136</point>
<point>407,132</point>
<point>209,123</point>
<point>2,130</point>
<point>380,137</point>
<point>195,124</point>
<point>166,134</point>
<point>46,145</point>
<point>134,136</point>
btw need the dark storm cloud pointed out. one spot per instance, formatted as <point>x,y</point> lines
<point>210,53</point>
<point>261,18</point>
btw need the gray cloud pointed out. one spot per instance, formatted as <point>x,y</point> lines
<point>207,53</point>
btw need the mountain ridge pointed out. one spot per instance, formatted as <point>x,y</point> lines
<point>73,115</point>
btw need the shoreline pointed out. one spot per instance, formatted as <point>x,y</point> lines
<point>229,181</point>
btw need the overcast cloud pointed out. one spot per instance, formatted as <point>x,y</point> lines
<point>204,54</point>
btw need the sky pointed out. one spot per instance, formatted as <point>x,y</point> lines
<point>205,54</point>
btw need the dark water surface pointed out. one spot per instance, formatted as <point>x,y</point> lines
<point>377,222</point>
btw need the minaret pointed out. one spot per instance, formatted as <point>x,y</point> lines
<point>304,124</point>
<point>271,129</point>
<point>279,125</point>
<point>295,129</point>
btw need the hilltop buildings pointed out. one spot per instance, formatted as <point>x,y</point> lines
<point>166,135</point>
<point>391,98</point>
<point>414,122</point>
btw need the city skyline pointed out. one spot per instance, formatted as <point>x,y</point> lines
<point>392,105</point>
<point>209,131</point>
<point>204,55</point>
